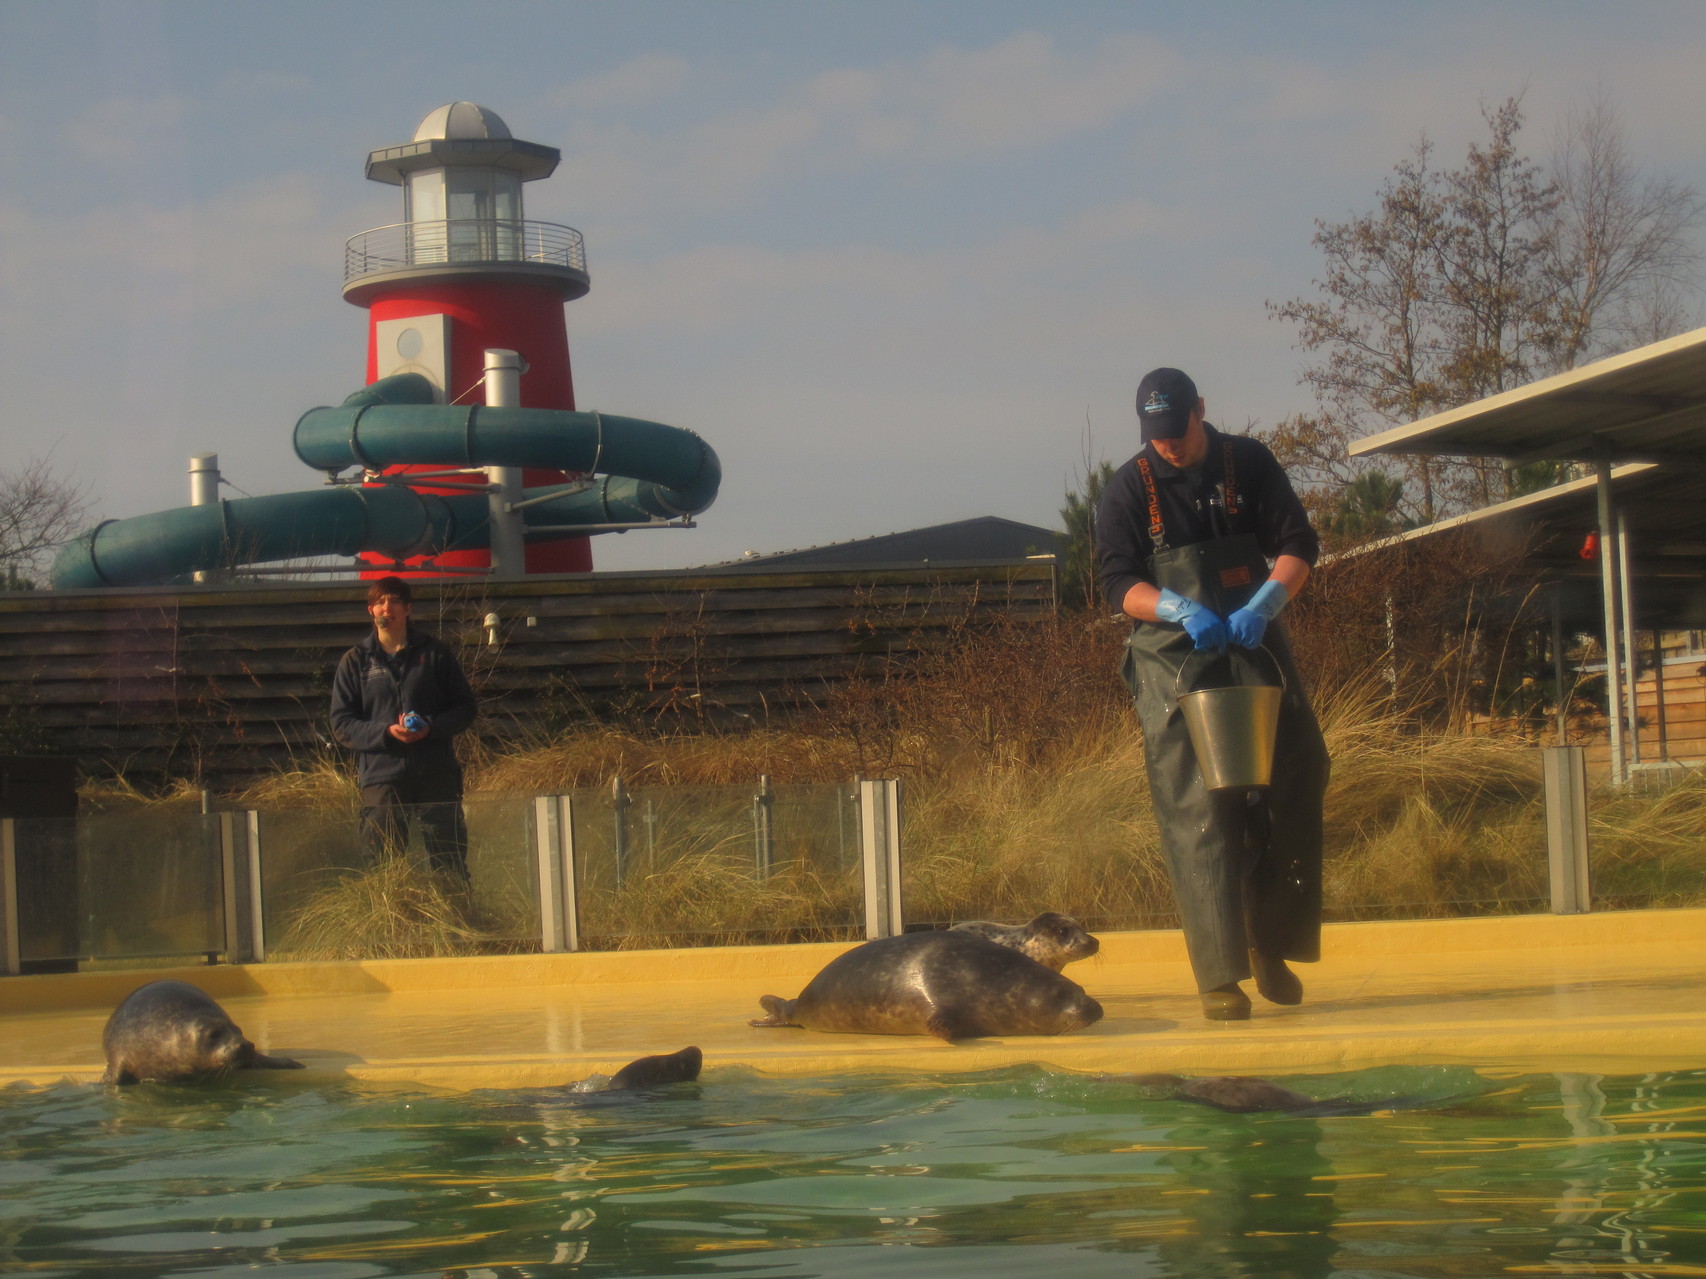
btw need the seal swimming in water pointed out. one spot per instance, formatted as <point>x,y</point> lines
<point>647,1072</point>
<point>1243,1094</point>
<point>1052,939</point>
<point>954,985</point>
<point>171,1030</point>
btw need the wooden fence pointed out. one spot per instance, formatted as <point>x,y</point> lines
<point>222,682</point>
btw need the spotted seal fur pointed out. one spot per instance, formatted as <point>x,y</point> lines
<point>1052,939</point>
<point>951,984</point>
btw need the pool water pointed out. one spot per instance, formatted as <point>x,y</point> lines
<point>1015,1172</point>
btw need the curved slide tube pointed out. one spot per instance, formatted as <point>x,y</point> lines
<point>645,471</point>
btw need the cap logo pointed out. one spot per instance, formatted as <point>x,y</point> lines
<point>1158,402</point>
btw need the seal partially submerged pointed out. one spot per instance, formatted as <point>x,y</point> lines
<point>954,985</point>
<point>171,1030</point>
<point>647,1072</point>
<point>1052,939</point>
<point>1242,1094</point>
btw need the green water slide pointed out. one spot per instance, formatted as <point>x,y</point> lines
<point>641,472</point>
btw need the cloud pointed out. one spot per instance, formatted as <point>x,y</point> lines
<point>1024,92</point>
<point>126,130</point>
<point>645,79</point>
<point>1016,96</point>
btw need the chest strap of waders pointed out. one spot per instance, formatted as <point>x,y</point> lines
<point>1157,531</point>
<point>1230,481</point>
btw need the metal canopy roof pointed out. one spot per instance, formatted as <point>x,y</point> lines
<point>1645,405</point>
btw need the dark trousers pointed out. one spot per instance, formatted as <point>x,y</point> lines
<point>388,808</point>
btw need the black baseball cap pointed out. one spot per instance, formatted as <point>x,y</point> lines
<point>1165,401</point>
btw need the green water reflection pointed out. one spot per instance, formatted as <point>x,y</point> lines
<point>743,1175</point>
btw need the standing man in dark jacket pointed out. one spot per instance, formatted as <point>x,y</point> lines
<point>398,699</point>
<point>1202,542</point>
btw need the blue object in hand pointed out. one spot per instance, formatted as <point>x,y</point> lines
<point>414,722</point>
<point>1247,625</point>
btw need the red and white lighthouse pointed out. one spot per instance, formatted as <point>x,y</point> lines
<point>465,272</point>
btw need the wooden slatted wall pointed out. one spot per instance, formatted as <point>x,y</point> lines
<point>221,682</point>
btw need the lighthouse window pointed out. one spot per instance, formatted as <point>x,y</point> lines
<point>484,206</point>
<point>425,210</point>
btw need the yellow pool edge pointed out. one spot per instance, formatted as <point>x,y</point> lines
<point>1610,992</point>
<point>1515,933</point>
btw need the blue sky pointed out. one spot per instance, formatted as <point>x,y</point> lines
<point>898,262</point>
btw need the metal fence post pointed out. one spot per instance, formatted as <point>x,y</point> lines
<point>11,955</point>
<point>879,840</point>
<point>240,874</point>
<point>1565,771</point>
<point>554,842</point>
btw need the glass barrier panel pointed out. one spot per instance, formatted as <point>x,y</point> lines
<point>145,884</point>
<point>1647,841</point>
<point>502,866</point>
<point>49,910</point>
<point>1423,858</point>
<point>303,851</point>
<point>682,866</point>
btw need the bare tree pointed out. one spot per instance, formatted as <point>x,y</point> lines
<point>1624,249</point>
<point>1465,282</point>
<point>39,509</point>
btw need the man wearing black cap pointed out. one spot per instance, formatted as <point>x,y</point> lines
<point>1202,542</point>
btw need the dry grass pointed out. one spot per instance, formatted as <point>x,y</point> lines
<point>1025,791</point>
<point>394,910</point>
<point>713,898</point>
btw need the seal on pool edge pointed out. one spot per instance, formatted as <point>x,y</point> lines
<point>647,1072</point>
<point>1052,939</point>
<point>171,1030</point>
<point>954,985</point>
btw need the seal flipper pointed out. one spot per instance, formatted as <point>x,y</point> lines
<point>653,1072</point>
<point>781,1012</point>
<point>949,1025</point>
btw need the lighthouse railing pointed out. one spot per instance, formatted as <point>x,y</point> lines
<point>403,245</point>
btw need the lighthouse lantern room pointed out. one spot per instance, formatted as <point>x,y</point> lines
<point>466,272</point>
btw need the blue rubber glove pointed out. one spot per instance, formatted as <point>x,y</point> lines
<point>1204,627</point>
<point>1247,625</point>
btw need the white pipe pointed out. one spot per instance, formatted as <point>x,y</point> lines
<point>1630,656</point>
<point>509,531</point>
<point>204,479</point>
<point>1608,595</point>
<point>204,489</point>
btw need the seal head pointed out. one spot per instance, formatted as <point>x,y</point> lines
<point>1052,939</point>
<point>172,1031</point>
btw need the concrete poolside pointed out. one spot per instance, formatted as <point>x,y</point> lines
<point>1612,993</point>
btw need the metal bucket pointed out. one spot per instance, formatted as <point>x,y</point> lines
<point>1233,726</point>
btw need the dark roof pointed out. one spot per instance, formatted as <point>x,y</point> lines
<point>987,537</point>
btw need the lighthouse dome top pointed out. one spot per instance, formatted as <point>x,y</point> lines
<point>462,120</point>
<point>462,135</point>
